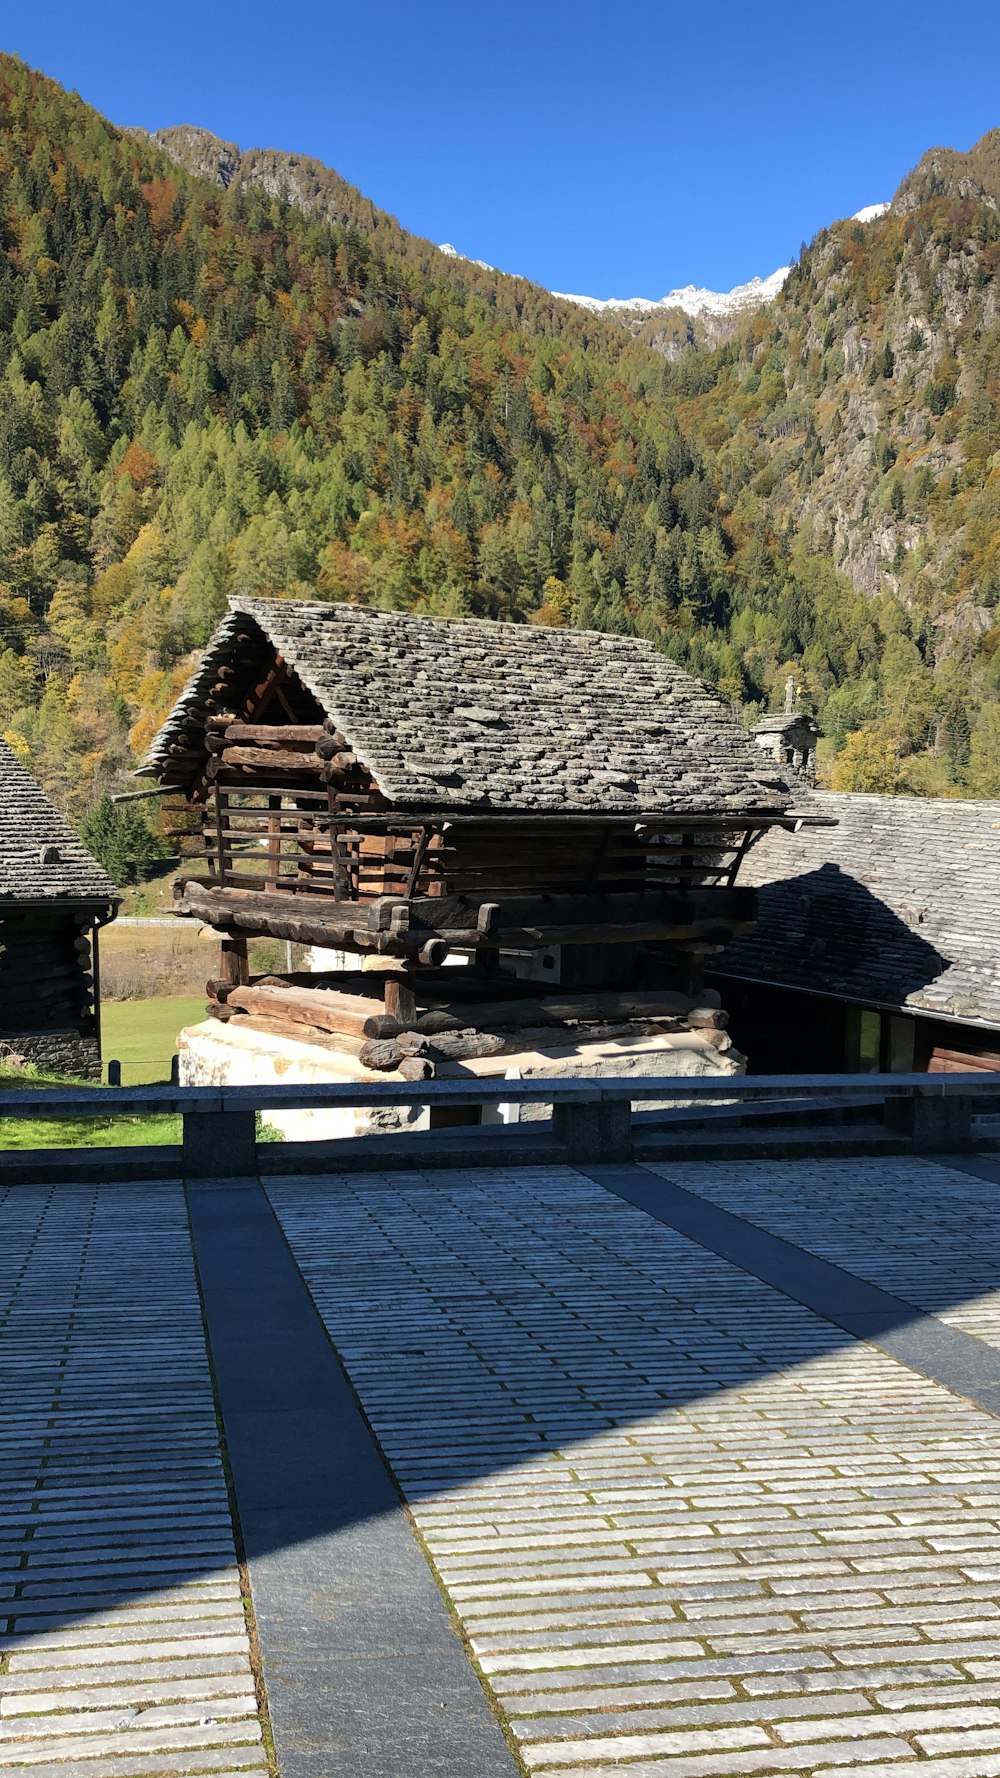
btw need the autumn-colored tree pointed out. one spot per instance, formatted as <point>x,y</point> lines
<point>204,390</point>
<point>869,761</point>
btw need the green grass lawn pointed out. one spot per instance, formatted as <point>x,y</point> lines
<point>77,1132</point>
<point>141,1035</point>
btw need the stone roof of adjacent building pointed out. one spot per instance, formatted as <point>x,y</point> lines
<point>41,858</point>
<point>501,716</point>
<point>896,906</point>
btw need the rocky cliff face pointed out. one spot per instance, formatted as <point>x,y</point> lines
<point>868,394</point>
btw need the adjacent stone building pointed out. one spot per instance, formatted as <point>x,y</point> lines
<point>877,943</point>
<point>54,898</point>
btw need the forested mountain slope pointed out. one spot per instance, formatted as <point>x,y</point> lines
<point>203,386</point>
<point>862,410</point>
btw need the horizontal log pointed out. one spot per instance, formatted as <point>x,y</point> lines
<point>986,1060</point>
<point>335,1044</point>
<point>300,929</point>
<point>271,734</point>
<point>706,917</point>
<point>271,783</point>
<point>327,1011</point>
<point>493,1015</point>
<point>462,1046</point>
<point>459,1046</point>
<point>270,759</point>
<point>19,979</point>
<point>670,907</point>
<point>699,934</point>
<point>381,1053</point>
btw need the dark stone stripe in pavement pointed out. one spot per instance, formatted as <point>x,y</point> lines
<point>946,1355</point>
<point>978,1165</point>
<point>365,1675</point>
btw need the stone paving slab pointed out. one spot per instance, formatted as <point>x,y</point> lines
<point>926,1343</point>
<point>927,1232</point>
<point>365,1676</point>
<point>690,1527</point>
<point>124,1647</point>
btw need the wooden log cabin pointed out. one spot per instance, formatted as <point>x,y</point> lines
<point>415,792</point>
<point>54,899</point>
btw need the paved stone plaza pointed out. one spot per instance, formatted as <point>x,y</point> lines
<point>655,1514</point>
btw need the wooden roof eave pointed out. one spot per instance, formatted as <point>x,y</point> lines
<point>106,905</point>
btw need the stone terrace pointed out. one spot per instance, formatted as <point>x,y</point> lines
<point>653,1510</point>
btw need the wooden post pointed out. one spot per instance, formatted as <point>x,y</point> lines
<point>400,1000</point>
<point>234,967</point>
<point>694,980</point>
<point>273,841</point>
<point>95,954</point>
<point>221,804</point>
<point>336,855</point>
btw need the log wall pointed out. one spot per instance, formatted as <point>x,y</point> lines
<point>46,974</point>
<point>286,806</point>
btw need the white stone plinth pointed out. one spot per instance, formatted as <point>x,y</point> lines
<point>237,1054</point>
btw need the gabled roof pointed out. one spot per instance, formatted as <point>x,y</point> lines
<point>898,905</point>
<point>511,717</point>
<point>41,858</point>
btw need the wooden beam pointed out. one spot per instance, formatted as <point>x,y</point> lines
<point>234,967</point>
<point>353,1014</point>
<point>706,917</point>
<point>265,734</point>
<point>400,1001</point>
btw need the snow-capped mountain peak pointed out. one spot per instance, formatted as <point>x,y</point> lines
<point>453,253</point>
<point>691,298</point>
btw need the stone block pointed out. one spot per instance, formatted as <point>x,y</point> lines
<point>936,1122</point>
<point>220,1144</point>
<point>595,1130</point>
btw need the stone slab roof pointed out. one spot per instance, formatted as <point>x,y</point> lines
<point>502,716</point>
<point>898,905</point>
<point>41,858</point>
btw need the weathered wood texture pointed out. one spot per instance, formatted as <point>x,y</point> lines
<point>46,974</point>
<point>703,918</point>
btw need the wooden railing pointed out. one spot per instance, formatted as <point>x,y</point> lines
<point>592,1119</point>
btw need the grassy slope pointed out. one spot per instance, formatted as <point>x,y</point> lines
<point>140,1034</point>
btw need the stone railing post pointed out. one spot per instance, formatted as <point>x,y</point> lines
<point>936,1122</point>
<point>595,1130</point>
<point>219,1143</point>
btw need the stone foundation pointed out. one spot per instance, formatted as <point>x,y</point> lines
<point>57,1052</point>
<point>213,1054</point>
<point>236,1054</point>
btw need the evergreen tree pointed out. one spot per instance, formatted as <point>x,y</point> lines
<point>121,839</point>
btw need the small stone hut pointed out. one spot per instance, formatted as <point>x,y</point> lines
<point>877,943</point>
<point>563,813</point>
<point>54,899</point>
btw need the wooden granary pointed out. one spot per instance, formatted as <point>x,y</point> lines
<point>415,792</point>
<point>54,898</point>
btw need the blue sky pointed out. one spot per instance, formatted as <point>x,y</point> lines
<point>598,148</point>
